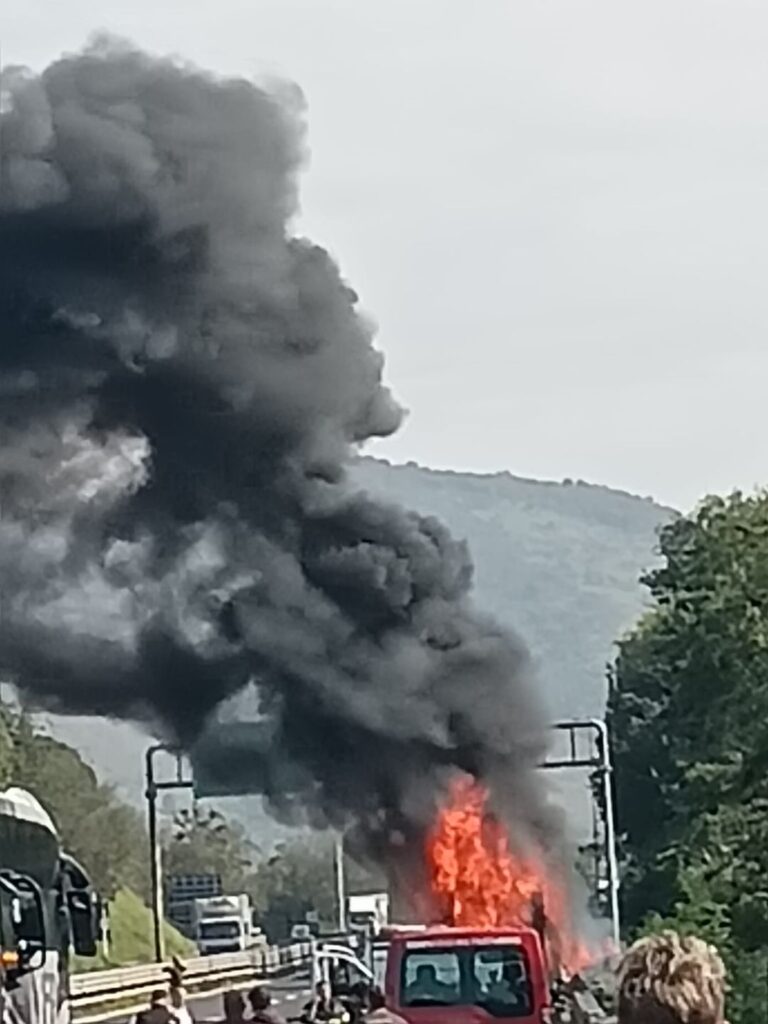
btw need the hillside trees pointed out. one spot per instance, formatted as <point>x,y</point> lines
<point>99,829</point>
<point>298,876</point>
<point>688,710</point>
<point>203,841</point>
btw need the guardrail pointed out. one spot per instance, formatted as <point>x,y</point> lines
<point>94,993</point>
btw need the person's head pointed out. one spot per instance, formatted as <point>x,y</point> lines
<point>426,974</point>
<point>259,998</point>
<point>376,999</point>
<point>512,971</point>
<point>360,990</point>
<point>671,979</point>
<point>234,1007</point>
<point>158,998</point>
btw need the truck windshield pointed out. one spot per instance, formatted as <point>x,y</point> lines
<point>219,930</point>
<point>494,977</point>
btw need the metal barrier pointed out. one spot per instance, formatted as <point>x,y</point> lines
<point>133,985</point>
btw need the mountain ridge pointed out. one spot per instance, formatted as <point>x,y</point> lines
<point>506,474</point>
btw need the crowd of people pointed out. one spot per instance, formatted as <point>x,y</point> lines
<point>168,1006</point>
<point>365,1006</point>
<point>661,979</point>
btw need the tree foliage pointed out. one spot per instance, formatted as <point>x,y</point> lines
<point>688,710</point>
<point>100,830</point>
<point>203,841</point>
<point>297,877</point>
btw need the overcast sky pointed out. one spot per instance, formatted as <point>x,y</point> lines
<point>556,211</point>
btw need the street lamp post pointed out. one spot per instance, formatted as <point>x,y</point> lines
<point>153,787</point>
<point>341,898</point>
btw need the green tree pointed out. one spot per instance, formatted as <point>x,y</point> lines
<point>295,878</point>
<point>7,748</point>
<point>204,841</point>
<point>300,876</point>
<point>688,710</point>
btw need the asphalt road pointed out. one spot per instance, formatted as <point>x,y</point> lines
<point>288,996</point>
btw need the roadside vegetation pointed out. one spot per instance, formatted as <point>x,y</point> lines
<point>688,710</point>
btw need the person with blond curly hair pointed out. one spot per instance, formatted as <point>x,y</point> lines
<point>671,979</point>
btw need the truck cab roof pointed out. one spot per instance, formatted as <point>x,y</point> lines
<point>432,935</point>
<point>446,932</point>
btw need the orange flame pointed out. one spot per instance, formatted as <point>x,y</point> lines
<point>477,881</point>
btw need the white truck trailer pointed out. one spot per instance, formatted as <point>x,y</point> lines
<point>224,924</point>
<point>368,912</point>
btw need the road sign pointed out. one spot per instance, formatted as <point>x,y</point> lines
<point>181,891</point>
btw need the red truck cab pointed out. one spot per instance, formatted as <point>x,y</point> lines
<point>468,976</point>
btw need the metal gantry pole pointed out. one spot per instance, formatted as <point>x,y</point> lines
<point>153,787</point>
<point>341,896</point>
<point>599,760</point>
<point>604,753</point>
<point>155,856</point>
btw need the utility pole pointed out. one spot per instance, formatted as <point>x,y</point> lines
<point>341,898</point>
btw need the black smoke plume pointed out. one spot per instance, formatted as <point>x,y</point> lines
<point>183,382</point>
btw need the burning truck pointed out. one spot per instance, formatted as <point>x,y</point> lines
<point>500,943</point>
<point>478,880</point>
<point>503,944</point>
